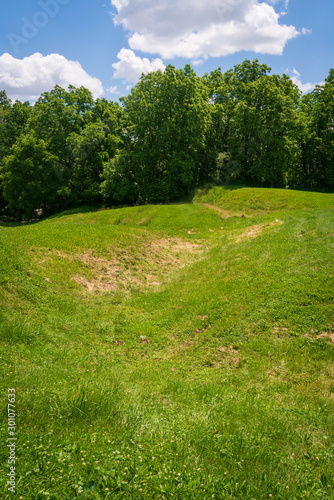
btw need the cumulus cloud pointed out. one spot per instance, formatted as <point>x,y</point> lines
<point>196,29</point>
<point>304,87</point>
<point>28,78</point>
<point>130,67</point>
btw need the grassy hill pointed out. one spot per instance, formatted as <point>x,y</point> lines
<point>174,351</point>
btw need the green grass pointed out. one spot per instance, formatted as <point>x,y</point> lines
<point>172,351</point>
<point>263,199</point>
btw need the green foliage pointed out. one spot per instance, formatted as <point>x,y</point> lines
<point>119,184</point>
<point>59,113</point>
<point>90,151</point>
<point>168,115</point>
<point>30,176</point>
<point>316,169</point>
<point>13,119</point>
<point>255,120</point>
<point>81,136</point>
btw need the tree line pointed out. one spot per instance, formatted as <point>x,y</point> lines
<point>174,131</point>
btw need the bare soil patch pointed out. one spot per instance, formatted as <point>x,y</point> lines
<point>327,335</point>
<point>257,230</point>
<point>143,264</point>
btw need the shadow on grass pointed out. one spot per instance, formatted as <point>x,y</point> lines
<point>205,188</point>
<point>7,221</point>
<point>11,222</point>
<point>75,211</point>
<point>233,187</point>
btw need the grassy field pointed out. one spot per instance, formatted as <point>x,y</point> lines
<point>172,352</point>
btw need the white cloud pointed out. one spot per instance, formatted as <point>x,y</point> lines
<point>196,29</point>
<point>304,87</point>
<point>28,78</point>
<point>285,3</point>
<point>197,62</point>
<point>130,67</point>
<point>113,90</point>
<point>306,31</point>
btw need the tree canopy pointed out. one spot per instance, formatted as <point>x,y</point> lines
<point>174,131</point>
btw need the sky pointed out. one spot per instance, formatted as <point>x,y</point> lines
<point>105,45</point>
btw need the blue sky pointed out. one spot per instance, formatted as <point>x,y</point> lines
<point>106,45</point>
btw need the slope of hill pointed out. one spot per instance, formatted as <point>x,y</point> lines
<point>172,351</point>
